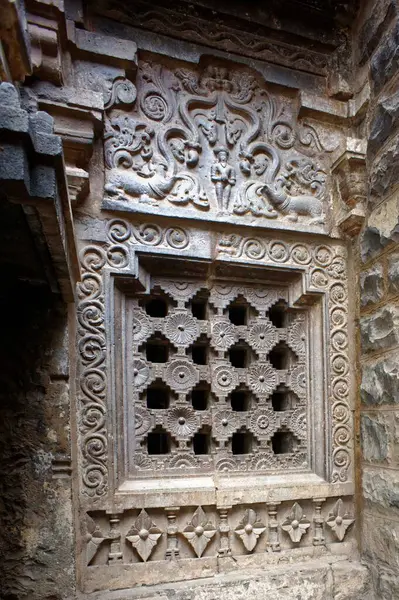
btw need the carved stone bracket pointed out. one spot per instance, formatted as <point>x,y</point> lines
<point>350,178</point>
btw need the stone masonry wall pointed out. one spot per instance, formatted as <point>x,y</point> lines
<point>36,537</point>
<point>377,59</point>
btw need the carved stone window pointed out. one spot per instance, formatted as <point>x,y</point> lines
<point>219,379</point>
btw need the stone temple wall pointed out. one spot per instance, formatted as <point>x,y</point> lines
<point>376,58</point>
<point>184,422</point>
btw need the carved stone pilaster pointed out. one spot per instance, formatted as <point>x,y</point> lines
<point>274,542</point>
<point>172,550</point>
<point>224,531</point>
<point>318,537</point>
<point>115,554</point>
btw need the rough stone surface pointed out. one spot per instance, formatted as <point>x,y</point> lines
<point>384,64</point>
<point>375,438</point>
<point>384,123</point>
<point>381,488</point>
<point>371,285</point>
<point>380,383</point>
<point>385,170</point>
<point>374,27</point>
<point>393,274</point>
<point>36,535</point>
<point>380,330</point>
<point>307,581</point>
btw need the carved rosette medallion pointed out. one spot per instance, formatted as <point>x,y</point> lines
<point>263,423</point>
<point>181,329</point>
<point>182,422</point>
<point>262,378</point>
<point>181,375</point>
<point>224,379</point>
<point>223,335</point>
<point>262,336</point>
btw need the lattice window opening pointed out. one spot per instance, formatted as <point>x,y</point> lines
<point>217,391</point>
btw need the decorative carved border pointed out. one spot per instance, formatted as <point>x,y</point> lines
<point>325,269</point>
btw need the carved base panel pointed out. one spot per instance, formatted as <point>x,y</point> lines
<point>151,546</point>
<point>213,400</point>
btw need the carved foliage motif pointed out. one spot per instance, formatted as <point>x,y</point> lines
<point>191,27</point>
<point>189,130</point>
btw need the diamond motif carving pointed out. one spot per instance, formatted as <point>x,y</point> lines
<point>296,524</point>
<point>339,520</point>
<point>249,529</point>
<point>199,531</point>
<point>144,535</point>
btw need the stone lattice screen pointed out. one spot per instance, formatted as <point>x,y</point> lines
<point>214,400</point>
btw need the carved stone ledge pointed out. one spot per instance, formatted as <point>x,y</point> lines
<point>38,183</point>
<point>15,61</point>
<point>45,48</point>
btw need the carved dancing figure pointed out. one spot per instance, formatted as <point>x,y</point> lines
<point>223,176</point>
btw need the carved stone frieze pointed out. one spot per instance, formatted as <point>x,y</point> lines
<point>215,144</point>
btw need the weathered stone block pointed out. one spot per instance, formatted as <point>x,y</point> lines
<point>374,27</point>
<point>384,63</point>
<point>381,541</point>
<point>374,438</point>
<point>371,285</point>
<point>381,487</point>
<point>393,274</point>
<point>380,330</point>
<point>385,122</point>
<point>385,171</point>
<point>380,383</point>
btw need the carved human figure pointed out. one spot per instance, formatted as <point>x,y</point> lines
<point>223,176</point>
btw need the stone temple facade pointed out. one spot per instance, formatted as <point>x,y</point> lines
<point>199,267</point>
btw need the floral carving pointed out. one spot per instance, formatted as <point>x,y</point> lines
<point>249,529</point>
<point>263,423</point>
<point>182,422</point>
<point>144,535</point>
<point>297,423</point>
<point>298,380</point>
<point>141,327</point>
<point>339,520</point>
<point>181,375</point>
<point>181,328</point>
<point>199,531</point>
<point>142,421</point>
<point>140,372</point>
<point>262,378</point>
<point>296,524</point>
<point>224,379</point>
<point>225,424</point>
<point>223,335</point>
<point>262,336</point>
